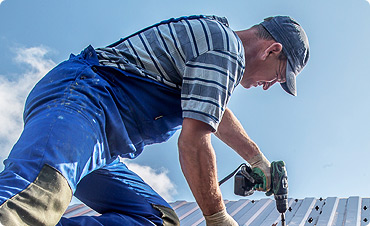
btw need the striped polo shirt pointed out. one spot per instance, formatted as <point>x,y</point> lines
<point>200,55</point>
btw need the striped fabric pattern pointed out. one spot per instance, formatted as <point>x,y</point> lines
<point>200,55</point>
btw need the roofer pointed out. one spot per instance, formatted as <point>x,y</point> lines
<point>113,101</point>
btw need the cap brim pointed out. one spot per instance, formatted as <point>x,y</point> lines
<point>290,85</point>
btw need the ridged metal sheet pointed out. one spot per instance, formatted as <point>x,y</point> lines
<point>333,211</point>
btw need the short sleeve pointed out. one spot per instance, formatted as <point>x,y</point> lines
<point>208,83</point>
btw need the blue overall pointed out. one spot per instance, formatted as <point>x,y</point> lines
<point>78,119</point>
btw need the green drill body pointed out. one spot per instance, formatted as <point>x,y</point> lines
<point>245,180</point>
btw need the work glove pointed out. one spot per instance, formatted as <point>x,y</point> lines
<point>221,218</point>
<point>262,167</point>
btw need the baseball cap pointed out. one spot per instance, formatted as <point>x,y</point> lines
<point>291,35</point>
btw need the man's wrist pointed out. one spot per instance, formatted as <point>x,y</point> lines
<point>214,206</point>
<point>258,160</point>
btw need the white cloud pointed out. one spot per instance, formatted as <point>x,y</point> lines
<point>1,1</point>
<point>14,90</point>
<point>157,179</point>
<point>368,1</point>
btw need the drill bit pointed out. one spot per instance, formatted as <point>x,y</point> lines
<point>282,219</point>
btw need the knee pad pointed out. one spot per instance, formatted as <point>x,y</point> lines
<point>42,203</point>
<point>169,216</point>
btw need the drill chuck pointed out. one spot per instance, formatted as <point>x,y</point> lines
<point>281,203</point>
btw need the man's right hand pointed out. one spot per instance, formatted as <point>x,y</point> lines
<point>221,218</point>
<point>262,167</point>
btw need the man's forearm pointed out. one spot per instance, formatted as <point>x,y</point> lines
<point>232,133</point>
<point>198,163</point>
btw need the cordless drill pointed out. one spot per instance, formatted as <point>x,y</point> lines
<point>245,179</point>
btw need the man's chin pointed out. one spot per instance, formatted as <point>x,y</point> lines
<point>247,86</point>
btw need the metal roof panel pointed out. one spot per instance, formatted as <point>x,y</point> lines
<point>333,211</point>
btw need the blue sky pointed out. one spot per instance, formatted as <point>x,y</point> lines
<point>322,134</point>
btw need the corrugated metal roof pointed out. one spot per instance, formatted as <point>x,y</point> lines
<point>333,211</point>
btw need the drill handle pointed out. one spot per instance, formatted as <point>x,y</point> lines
<point>279,178</point>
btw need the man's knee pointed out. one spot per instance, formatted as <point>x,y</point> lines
<point>169,216</point>
<point>42,203</point>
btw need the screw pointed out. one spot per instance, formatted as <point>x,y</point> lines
<point>310,220</point>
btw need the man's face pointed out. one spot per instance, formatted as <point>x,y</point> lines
<point>264,73</point>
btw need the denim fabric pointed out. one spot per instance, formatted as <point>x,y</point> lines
<point>80,117</point>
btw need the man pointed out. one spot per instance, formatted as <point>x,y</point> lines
<point>112,101</point>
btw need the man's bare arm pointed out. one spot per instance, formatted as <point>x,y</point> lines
<point>232,133</point>
<point>198,163</point>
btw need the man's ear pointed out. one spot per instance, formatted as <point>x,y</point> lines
<point>272,50</point>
